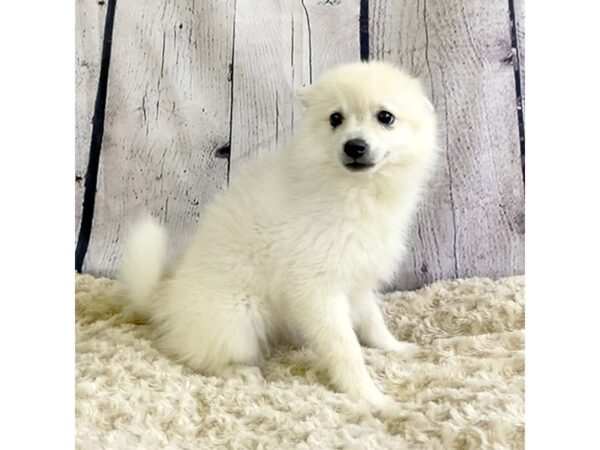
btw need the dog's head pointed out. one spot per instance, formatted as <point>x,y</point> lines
<point>363,117</point>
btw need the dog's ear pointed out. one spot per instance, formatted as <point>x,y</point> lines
<point>303,94</point>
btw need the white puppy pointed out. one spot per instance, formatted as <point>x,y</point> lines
<point>293,250</point>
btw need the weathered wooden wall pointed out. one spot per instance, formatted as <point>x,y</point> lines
<point>196,88</point>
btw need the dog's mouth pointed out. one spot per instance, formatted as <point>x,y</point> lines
<point>356,166</point>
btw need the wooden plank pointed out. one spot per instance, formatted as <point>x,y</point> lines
<point>284,47</point>
<point>334,36</point>
<point>471,222</point>
<point>168,111</point>
<point>89,33</point>
<point>264,77</point>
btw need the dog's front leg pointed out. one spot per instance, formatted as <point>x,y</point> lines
<point>370,325</point>
<point>327,328</point>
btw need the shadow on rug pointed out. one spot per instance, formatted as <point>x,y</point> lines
<point>466,391</point>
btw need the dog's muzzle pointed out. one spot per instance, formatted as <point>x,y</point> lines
<point>356,155</point>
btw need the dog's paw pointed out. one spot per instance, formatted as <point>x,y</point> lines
<point>406,349</point>
<point>385,407</point>
<point>248,374</point>
<point>393,412</point>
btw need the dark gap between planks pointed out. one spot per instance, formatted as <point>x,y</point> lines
<point>364,30</point>
<point>225,151</point>
<point>518,87</point>
<point>91,175</point>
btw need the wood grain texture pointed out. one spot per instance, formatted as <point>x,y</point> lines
<point>297,42</point>
<point>264,77</point>
<point>167,113</point>
<point>334,36</point>
<point>89,33</point>
<point>472,220</point>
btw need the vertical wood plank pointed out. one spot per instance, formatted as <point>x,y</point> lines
<point>334,37</point>
<point>167,113</point>
<point>431,253</point>
<point>471,222</point>
<point>89,33</point>
<point>267,47</point>
<point>284,47</point>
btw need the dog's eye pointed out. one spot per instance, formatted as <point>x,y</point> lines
<point>336,119</point>
<point>385,117</point>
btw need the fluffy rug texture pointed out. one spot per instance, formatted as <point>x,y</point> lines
<point>465,391</point>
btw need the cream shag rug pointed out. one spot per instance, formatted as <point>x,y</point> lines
<point>464,392</point>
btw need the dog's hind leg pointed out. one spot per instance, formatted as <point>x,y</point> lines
<point>244,340</point>
<point>215,332</point>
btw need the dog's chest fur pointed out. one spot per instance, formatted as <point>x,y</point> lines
<point>354,238</point>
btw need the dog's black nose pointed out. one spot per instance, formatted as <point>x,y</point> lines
<point>355,148</point>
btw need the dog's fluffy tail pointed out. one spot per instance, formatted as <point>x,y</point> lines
<point>143,264</point>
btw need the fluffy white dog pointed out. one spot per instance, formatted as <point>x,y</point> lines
<point>293,250</point>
